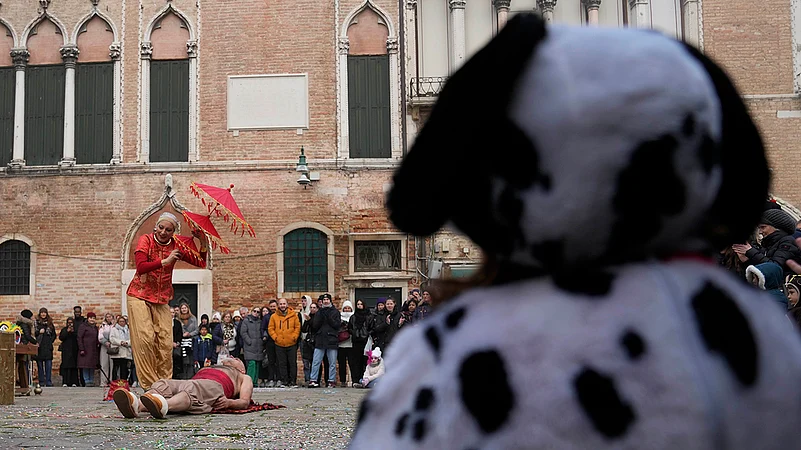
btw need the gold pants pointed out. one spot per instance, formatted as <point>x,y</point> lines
<point>151,340</point>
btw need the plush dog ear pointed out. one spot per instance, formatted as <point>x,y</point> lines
<point>741,155</point>
<point>462,143</point>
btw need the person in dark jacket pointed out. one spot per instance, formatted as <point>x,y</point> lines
<point>307,344</point>
<point>25,322</point>
<point>394,321</point>
<point>177,336</point>
<point>378,323</point>
<point>69,354</point>
<point>357,327</point>
<point>777,245</point>
<point>88,348</point>
<point>45,336</point>
<point>252,346</point>
<point>270,363</point>
<point>325,327</point>
<point>205,348</point>
<point>424,307</point>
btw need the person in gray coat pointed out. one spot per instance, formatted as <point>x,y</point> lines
<point>252,343</point>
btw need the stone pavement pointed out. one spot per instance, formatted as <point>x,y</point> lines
<point>78,418</point>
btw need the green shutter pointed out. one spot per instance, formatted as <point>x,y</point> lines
<point>44,114</point>
<point>7,77</point>
<point>169,111</point>
<point>94,113</point>
<point>368,106</point>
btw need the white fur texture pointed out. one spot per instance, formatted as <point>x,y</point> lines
<point>683,395</point>
<point>587,99</point>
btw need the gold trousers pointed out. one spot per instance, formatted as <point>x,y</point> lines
<point>151,340</point>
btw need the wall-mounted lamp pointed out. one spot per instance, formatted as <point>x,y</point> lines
<point>306,177</point>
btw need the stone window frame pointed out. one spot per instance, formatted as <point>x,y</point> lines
<point>343,47</point>
<point>795,24</point>
<point>145,53</point>
<point>279,256</point>
<point>402,274</point>
<point>23,298</point>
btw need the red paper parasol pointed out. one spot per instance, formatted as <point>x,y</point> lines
<point>203,223</point>
<point>221,202</point>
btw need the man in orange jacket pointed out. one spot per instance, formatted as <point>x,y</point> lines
<point>284,329</point>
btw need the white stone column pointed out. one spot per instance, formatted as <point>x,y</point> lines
<point>20,57</point>
<point>546,8</point>
<point>640,13</point>
<point>191,51</point>
<point>502,11</point>
<point>145,53</point>
<point>343,47</point>
<point>592,11</point>
<point>114,51</point>
<point>70,56</point>
<point>394,97</point>
<point>458,43</point>
<point>690,11</point>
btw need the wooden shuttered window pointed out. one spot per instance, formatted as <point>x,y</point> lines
<point>94,112</point>
<point>44,114</point>
<point>7,77</point>
<point>369,106</point>
<point>15,268</point>
<point>169,111</point>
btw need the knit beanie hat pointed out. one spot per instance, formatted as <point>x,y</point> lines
<point>26,313</point>
<point>236,314</point>
<point>91,315</point>
<point>381,300</point>
<point>795,282</point>
<point>204,316</point>
<point>779,219</point>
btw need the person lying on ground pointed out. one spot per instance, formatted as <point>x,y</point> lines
<point>224,386</point>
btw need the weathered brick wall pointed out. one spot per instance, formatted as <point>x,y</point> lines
<point>753,42</point>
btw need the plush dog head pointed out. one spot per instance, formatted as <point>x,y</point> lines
<point>571,147</point>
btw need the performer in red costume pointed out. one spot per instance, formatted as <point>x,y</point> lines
<point>150,292</point>
<point>225,386</point>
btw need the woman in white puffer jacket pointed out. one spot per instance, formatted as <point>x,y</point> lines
<point>120,338</point>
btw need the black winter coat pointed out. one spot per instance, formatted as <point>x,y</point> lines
<point>27,330</point>
<point>777,247</point>
<point>392,328</point>
<point>325,326</point>
<point>69,348</point>
<point>378,328</point>
<point>357,327</point>
<point>45,340</point>
<point>307,346</point>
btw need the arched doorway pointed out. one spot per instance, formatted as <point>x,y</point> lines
<point>190,283</point>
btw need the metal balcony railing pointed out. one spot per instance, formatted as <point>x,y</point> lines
<point>426,86</point>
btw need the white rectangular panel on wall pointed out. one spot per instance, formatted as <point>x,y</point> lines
<point>518,6</point>
<point>478,24</point>
<point>434,38</point>
<point>666,17</point>
<point>611,13</point>
<point>568,13</point>
<point>261,102</point>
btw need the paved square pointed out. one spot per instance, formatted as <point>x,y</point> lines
<point>78,418</point>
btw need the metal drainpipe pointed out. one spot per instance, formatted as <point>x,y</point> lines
<point>402,49</point>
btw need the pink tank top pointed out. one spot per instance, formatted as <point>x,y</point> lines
<point>219,376</point>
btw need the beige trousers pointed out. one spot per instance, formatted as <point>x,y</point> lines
<point>151,340</point>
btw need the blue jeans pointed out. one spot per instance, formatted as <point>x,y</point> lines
<point>372,384</point>
<point>318,360</point>
<point>45,370</point>
<point>88,375</point>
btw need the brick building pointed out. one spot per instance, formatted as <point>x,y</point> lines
<point>109,110</point>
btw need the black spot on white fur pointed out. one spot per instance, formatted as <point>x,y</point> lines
<point>709,153</point>
<point>424,400</point>
<point>633,344</point>
<point>486,368</point>
<point>453,319</point>
<point>400,425</point>
<point>419,430</point>
<point>432,337</point>
<point>600,400</point>
<point>688,127</point>
<point>590,283</point>
<point>364,409</point>
<point>726,331</point>
<point>648,190</point>
<point>550,253</point>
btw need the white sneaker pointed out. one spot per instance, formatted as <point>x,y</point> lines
<point>127,403</point>
<point>270,384</point>
<point>279,384</point>
<point>155,404</point>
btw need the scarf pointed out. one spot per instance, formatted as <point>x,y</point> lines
<point>185,317</point>
<point>345,316</point>
<point>228,330</point>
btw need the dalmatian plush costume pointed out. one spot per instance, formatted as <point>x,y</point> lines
<point>597,168</point>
